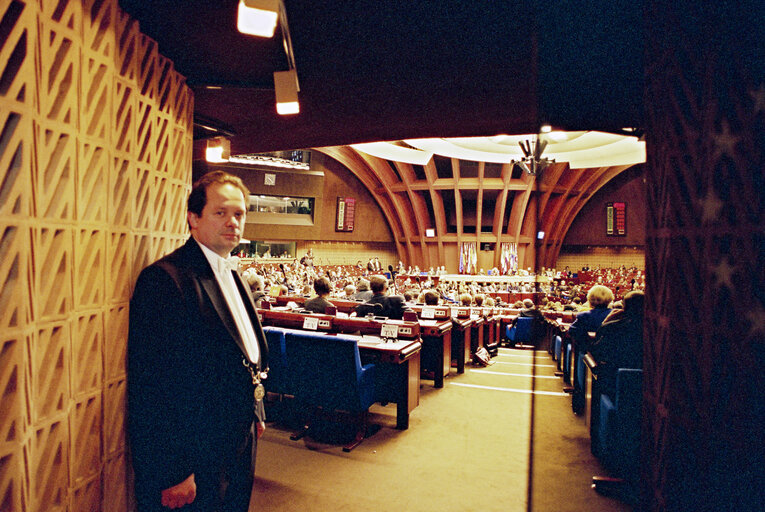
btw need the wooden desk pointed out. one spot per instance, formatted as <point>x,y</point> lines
<point>397,373</point>
<point>461,341</point>
<point>436,338</point>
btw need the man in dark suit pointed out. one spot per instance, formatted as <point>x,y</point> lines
<point>393,306</point>
<point>196,353</point>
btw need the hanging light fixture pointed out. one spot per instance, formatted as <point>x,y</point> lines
<point>218,150</point>
<point>286,87</point>
<point>258,17</point>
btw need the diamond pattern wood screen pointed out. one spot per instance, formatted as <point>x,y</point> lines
<point>95,166</point>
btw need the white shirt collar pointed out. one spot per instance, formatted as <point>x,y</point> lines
<point>218,263</point>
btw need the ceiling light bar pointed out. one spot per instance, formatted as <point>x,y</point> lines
<point>286,87</point>
<point>218,150</point>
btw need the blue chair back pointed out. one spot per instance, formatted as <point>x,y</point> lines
<point>328,372</point>
<point>521,333</point>
<point>278,375</point>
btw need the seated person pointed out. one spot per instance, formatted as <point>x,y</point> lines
<point>431,298</point>
<point>599,297</point>
<point>393,306</point>
<point>619,341</point>
<point>256,288</point>
<point>362,291</point>
<point>319,303</point>
<point>350,290</point>
<point>530,311</point>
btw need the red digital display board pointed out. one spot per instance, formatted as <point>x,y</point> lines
<point>616,219</point>
<point>346,214</point>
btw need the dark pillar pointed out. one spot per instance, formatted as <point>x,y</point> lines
<point>704,419</point>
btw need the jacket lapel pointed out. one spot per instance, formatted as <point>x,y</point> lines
<point>249,305</point>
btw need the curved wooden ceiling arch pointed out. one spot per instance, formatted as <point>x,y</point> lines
<point>524,205</point>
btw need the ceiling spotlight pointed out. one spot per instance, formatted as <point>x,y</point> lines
<point>258,17</point>
<point>545,128</point>
<point>218,150</point>
<point>286,86</point>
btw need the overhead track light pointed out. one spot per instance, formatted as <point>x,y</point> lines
<point>218,150</point>
<point>258,17</point>
<point>286,86</point>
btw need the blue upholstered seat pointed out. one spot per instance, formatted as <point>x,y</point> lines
<point>520,333</point>
<point>618,429</point>
<point>328,374</point>
<point>278,380</point>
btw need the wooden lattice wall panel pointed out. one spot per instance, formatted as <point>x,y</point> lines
<point>119,257</point>
<point>15,292</point>
<point>116,484</point>
<point>95,167</point>
<point>14,484</point>
<point>59,74</point>
<point>87,357</point>
<point>86,439</point>
<point>16,53</point>
<point>13,389</point>
<point>92,180</point>
<point>86,497</point>
<point>15,188</point>
<point>50,357</point>
<point>56,156</point>
<point>53,267</point>
<point>89,263</point>
<point>114,421</point>
<point>120,202</point>
<point>50,466</point>
<point>116,342</point>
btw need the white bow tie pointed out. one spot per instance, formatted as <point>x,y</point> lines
<point>228,264</point>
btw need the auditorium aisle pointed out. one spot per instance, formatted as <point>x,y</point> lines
<point>489,440</point>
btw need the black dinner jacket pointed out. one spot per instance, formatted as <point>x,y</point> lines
<point>393,305</point>
<point>190,397</point>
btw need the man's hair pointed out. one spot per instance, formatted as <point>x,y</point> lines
<point>350,289</point>
<point>600,296</point>
<point>528,303</point>
<point>431,298</point>
<point>322,286</point>
<point>633,302</point>
<point>255,281</point>
<point>198,196</point>
<point>363,285</point>
<point>378,284</point>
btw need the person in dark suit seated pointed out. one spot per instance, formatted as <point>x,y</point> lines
<point>319,303</point>
<point>599,297</point>
<point>393,306</point>
<point>619,341</point>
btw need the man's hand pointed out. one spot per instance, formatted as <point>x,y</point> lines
<point>181,494</point>
<point>260,427</point>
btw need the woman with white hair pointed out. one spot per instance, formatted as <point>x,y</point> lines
<point>599,298</point>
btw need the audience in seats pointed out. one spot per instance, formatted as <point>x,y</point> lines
<point>362,291</point>
<point>599,298</point>
<point>319,303</point>
<point>393,306</point>
<point>619,341</point>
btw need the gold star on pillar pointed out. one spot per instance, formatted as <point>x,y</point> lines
<point>757,320</point>
<point>758,96</point>
<point>725,141</point>
<point>710,207</point>
<point>723,272</point>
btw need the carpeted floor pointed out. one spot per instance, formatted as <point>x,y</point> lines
<point>501,438</point>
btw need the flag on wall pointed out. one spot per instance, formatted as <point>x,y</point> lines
<point>509,257</point>
<point>468,258</point>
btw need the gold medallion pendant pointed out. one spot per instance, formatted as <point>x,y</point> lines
<point>260,392</point>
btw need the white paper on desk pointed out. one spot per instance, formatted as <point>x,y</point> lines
<point>340,314</point>
<point>428,312</point>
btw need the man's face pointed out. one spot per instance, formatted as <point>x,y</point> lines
<point>221,224</point>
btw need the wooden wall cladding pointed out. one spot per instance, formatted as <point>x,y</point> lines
<point>95,168</point>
